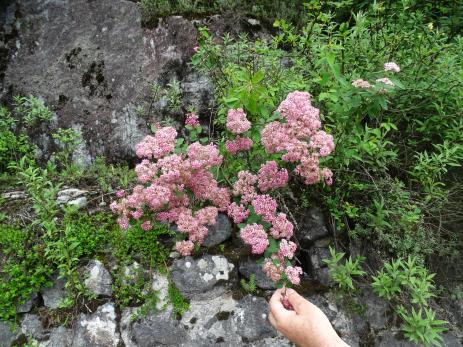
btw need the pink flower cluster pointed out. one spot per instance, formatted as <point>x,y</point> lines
<point>263,205</point>
<point>299,137</point>
<point>359,83</point>
<point>386,81</point>
<point>157,146</point>
<point>237,122</point>
<point>255,236</point>
<point>168,184</point>
<point>391,66</point>
<point>192,119</point>
<point>239,144</point>
<point>270,177</point>
<point>237,212</point>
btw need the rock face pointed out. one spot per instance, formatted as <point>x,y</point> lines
<point>312,228</point>
<point>27,306</point>
<point>219,232</point>
<point>158,330</point>
<point>97,279</point>
<point>53,296</point>
<point>98,329</point>
<point>32,326</point>
<point>220,321</point>
<point>249,267</point>
<point>202,278</point>
<point>251,319</point>
<point>93,63</point>
<point>7,335</point>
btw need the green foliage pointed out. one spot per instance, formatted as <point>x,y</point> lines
<point>249,286</point>
<point>23,268</point>
<point>31,110</point>
<point>408,286</point>
<point>399,278</point>
<point>68,140</point>
<point>266,10</point>
<point>174,95</point>
<point>179,304</point>
<point>422,329</point>
<point>12,145</point>
<point>343,274</point>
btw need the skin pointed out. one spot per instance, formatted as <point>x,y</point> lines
<point>306,325</point>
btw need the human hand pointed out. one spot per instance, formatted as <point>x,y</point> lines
<point>306,325</point>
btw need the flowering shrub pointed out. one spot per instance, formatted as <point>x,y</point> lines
<point>180,187</point>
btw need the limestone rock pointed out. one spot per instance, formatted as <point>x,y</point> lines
<point>53,296</point>
<point>249,267</point>
<point>219,232</point>
<point>98,329</point>
<point>203,278</point>
<point>312,227</point>
<point>7,335</point>
<point>251,319</point>
<point>158,329</point>
<point>97,279</point>
<point>65,196</point>
<point>59,337</point>
<point>31,326</point>
<point>28,304</point>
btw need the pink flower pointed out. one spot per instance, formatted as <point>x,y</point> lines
<point>196,48</point>
<point>327,174</point>
<point>123,222</point>
<point>145,171</point>
<point>192,119</point>
<point>184,247</point>
<point>239,144</point>
<point>391,66</point>
<point>146,225</point>
<point>309,169</point>
<point>265,206</point>
<point>281,227</point>
<point>237,122</point>
<point>120,193</point>
<point>255,236</point>
<point>157,196</point>
<point>203,156</point>
<point>244,186</point>
<point>386,81</point>
<point>287,249</point>
<point>136,214</point>
<point>293,274</point>
<point>359,83</point>
<point>237,212</point>
<point>162,143</point>
<point>207,215</point>
<point>323,142</point>
<point>271,270</point>
<point>269,177</point>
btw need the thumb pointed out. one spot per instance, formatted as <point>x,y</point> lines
<point>300,304</point>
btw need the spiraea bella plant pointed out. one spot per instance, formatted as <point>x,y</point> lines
<point>178,183</point>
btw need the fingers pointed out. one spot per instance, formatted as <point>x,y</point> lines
<point>278,311</point>
<point>272,320</point>
<point>300,304</point>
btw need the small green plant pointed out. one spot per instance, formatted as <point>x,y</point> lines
<point>179,304</point>
<point>31,109</point>
<point>13,145</point>
<point>422,327</point>
<point>408,286</point>
<point>343,274</point>
<point>174,95</point>
<point>23,268</point>
<point>250,286</point>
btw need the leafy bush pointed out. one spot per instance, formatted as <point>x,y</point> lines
<point>343,274</point>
